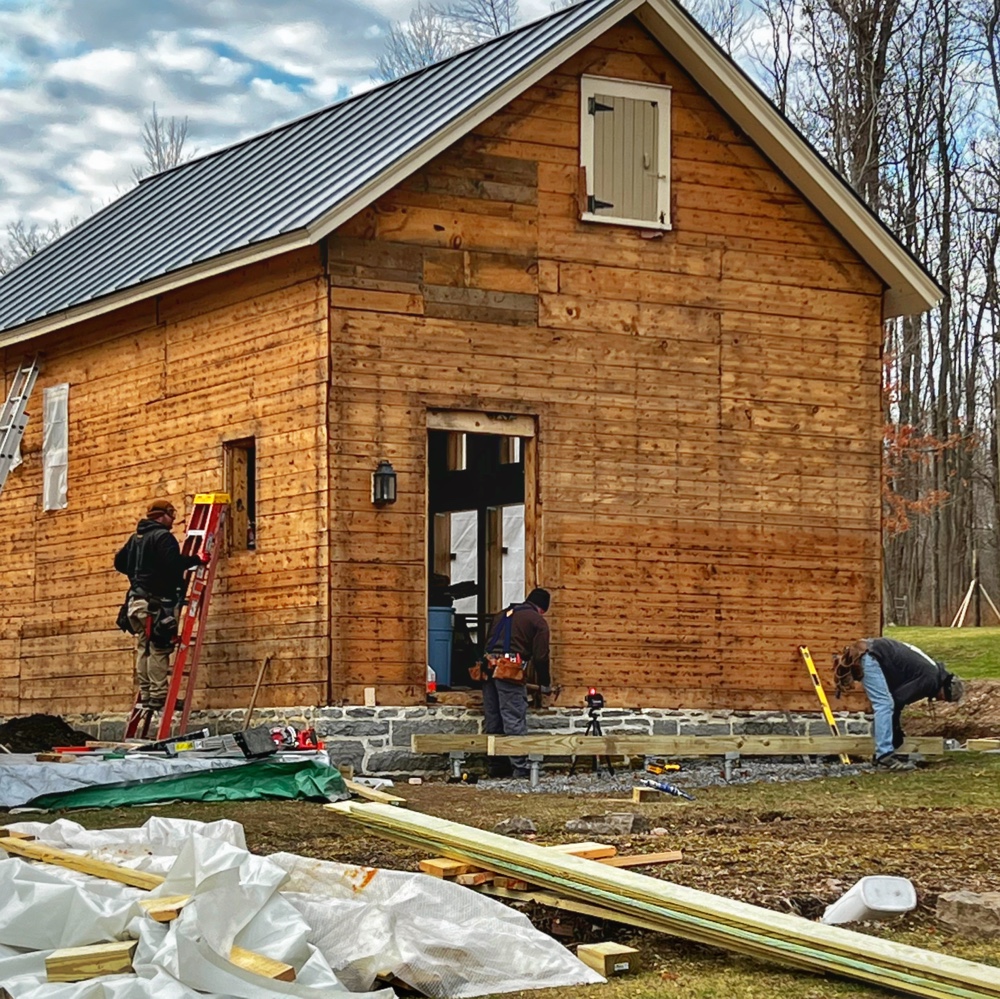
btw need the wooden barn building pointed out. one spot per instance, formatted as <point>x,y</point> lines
<point>584,272</point>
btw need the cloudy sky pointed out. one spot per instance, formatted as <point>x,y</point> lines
<point>78,76</point>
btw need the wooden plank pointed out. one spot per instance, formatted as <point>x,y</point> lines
<point>371,794</point>
<point>665,745</point>
<point>165,908</point>
<point>85,865</point>
<point>77,964</point>
<point>982,745</point>
<point>690,913</point>
<point>477,878</point>
<point>510,425</point>
<point>609,958</point>
<point>680,746</point>
<point>594,851</point>
<point>643,859</point>
<point>258,964</point>
<point>444,867</point>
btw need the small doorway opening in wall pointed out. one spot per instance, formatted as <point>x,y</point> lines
<point>241,484</point>
<point>481,484</point>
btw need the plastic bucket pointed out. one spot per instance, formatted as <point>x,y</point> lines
<point>440,624</point>
<point>875,897</point>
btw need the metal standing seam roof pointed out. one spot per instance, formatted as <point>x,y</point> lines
<point>271,184</point>
<point>288,187</point>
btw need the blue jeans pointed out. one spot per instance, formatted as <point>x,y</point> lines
<point>882,703</point>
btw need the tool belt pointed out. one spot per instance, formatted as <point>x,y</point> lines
<point>500,663</point>
<point>499,666</point>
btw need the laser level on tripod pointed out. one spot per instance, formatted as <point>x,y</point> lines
<point>594,702</point>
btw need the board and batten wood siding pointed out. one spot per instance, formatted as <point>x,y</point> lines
<point>155,390</point>
<point>707,403</point>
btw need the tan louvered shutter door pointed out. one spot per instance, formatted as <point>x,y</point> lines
<point>626,145</point>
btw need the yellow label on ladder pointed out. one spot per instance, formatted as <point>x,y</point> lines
<point>821,694</point>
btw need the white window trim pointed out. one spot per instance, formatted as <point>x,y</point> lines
<point>590,86</point>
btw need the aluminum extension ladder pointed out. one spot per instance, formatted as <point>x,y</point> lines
<point>204,534</point>
<point>14,417</point>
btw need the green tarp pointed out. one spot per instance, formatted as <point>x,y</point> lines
<point>269,778</point>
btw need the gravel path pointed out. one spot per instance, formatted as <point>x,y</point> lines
<point>694,774</point>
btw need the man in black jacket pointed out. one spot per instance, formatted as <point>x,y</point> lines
<point>894,674</point>
<point>155,566</point>
<point>505,702</point>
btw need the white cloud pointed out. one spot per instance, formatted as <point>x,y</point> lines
<point>78,76</point>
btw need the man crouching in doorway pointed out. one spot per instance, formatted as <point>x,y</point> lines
<point>519,636</point>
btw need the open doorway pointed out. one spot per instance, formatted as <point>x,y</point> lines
<point>481,531</point>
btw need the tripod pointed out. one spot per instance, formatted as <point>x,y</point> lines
<point>594,728</point>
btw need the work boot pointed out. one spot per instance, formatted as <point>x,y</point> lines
<point>890,761</point>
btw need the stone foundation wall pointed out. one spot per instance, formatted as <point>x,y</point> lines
<point>376,741</point>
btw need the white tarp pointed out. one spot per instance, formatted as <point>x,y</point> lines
<point>22,777</point>
<point>338,925</point>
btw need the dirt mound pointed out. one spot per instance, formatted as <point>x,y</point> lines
<point>977,717</point>
<point>39,733</point>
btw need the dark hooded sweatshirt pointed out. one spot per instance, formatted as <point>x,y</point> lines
<point>909,673</point>
<point>529,636</point>
<point>153,562</point>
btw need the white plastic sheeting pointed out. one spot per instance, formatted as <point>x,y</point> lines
<point>23,778</point>
<point>55,446</point>
<point>464,561</point>
<point>337,925</point>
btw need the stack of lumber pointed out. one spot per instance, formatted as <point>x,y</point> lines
<point>689,913</point>
<point>473,876</point>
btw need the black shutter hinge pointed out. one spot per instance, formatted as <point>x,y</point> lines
<point>593,106</point>
<point>593,204</point>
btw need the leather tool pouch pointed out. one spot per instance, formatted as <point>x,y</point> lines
<point>509,668</point>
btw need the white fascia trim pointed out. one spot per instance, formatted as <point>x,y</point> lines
<point>169,282</point>
<point>909,290</point>
<point>466,122</point>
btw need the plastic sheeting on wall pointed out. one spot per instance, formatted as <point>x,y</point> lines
<point>55,446</point>
<point>464,564</point>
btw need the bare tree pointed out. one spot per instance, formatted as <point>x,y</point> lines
<point>23,241</point>
<point>426,37</point>
<point>483,19</point>
<point>163,141</point>
<point>432,33</point>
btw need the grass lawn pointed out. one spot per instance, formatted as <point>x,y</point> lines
<point>793,847</point>
<point>972,653</point>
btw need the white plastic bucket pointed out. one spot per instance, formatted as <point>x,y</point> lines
<point>875,897</point>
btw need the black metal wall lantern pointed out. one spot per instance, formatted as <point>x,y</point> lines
<point>384,484</point>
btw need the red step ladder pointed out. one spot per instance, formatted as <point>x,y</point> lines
<point>204,534</point>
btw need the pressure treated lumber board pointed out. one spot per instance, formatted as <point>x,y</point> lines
<point>982,745</point>
<point>642,859</point>
<point>664,745</point>
<point>609,958</point>
<point>77,964</point>
<point>593,851</point>
<point>680,746</point>
<point>165,909</point>
<point>690,913</point>
<point>373,794</point>
<point>85,865</point>
<point>258,964</point>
